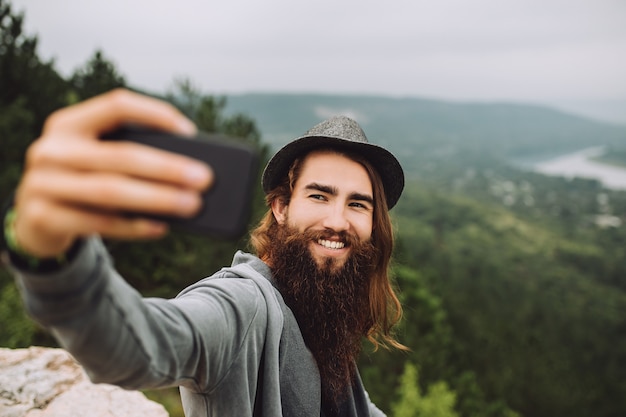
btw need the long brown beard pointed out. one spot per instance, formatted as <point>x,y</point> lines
<point>329,301</point>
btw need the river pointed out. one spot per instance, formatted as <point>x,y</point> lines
<point>580,164</point>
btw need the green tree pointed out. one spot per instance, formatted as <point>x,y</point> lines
<point>16,329</point>
<point>438,401</point>
<point>24,77</point>
<point>208,113</point>
<point>16,131</point>
<point>97,76</point>
<point>30,90</point>
<point>533,326</point>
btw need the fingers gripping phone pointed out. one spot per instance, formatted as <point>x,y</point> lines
<point>226,205</point>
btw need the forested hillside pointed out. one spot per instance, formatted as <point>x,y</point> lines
<point>420,130</point>
<point>513,283</point>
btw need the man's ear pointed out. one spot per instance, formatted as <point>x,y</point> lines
<point>279,209</point>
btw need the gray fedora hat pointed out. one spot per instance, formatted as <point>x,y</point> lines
<point>340,133</point>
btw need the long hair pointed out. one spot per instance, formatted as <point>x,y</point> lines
<point>385,308</point>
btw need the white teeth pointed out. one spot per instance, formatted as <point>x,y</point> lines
<point>329,244</point>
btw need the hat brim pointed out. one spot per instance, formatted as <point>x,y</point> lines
<point>383,161</point>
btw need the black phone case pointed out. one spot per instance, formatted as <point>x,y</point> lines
<point>226,205</point>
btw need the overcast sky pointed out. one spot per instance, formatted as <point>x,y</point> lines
<point>523,50</point>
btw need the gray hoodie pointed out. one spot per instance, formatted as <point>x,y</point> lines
<point>228,341</point>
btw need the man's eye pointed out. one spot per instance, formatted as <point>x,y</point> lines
<point>358,205</point>
<point>317,197</point>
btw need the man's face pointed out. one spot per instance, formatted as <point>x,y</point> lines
<point>333,195</point>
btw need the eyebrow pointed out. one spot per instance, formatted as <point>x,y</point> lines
<point>328,189</point>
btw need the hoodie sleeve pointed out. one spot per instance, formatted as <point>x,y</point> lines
<point>124,339</point>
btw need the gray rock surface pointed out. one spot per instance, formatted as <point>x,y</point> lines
<point>43,382</point>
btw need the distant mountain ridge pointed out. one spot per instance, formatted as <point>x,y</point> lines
<point>416,128</point>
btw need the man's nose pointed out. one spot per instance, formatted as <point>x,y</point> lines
<point>336,218</point>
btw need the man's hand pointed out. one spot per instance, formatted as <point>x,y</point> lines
<point>76,185</point>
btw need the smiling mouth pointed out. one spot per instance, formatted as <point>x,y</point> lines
<point>331,244</point>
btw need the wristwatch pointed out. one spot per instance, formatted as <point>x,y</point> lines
<point>13,255</point>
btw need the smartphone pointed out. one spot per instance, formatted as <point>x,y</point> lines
<point>226,205</point>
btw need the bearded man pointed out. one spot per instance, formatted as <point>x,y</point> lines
<point>276,334</point>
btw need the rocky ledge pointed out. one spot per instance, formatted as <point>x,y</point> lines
<point>43,382</point>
